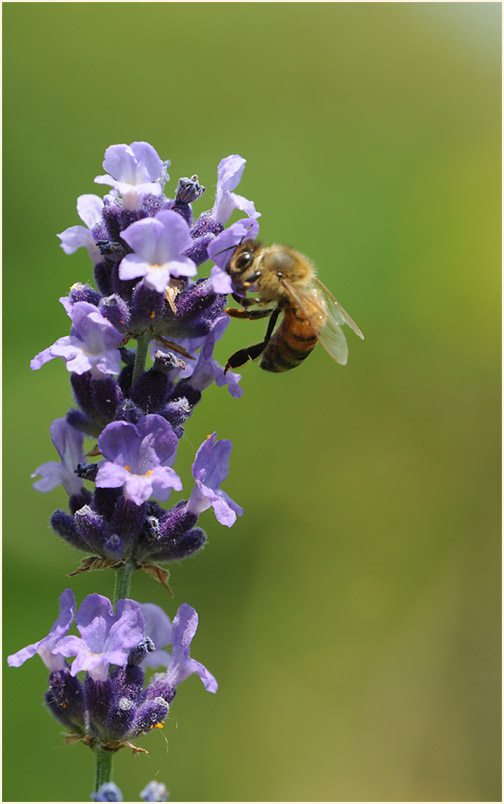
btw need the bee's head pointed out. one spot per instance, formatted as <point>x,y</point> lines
<point>243,266</point>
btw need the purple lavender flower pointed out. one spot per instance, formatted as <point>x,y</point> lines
<point>106,638</point>
<point>134,171</point>
<point>154,791</point>
<point>138,458</point>
<point>209,469</point>
<point>221,250</point>
<point>206,370</point>
<point>69,445</point>
<point>229,174</point>
<point>47,647</point>
<point>158,244</point>
<point>179,635</point>
<point>89,209</point>
<point>91,345</point>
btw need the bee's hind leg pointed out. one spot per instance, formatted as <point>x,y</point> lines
<point>242,356</point>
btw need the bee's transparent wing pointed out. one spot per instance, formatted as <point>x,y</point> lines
<point>321,308</point>
<point>336,310</point>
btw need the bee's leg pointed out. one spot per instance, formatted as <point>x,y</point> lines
<point>241,357</point>
<point>252,315</point>
<point>245,301</point>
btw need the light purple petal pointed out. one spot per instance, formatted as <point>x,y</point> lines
<point>181,666</point>
<point>220,281</point>
<point>89,209</point>
<point>76,237</point>
<point>129,627</point>
<point>47,647</point>
<point>132,266</point>
<point>111,476</point>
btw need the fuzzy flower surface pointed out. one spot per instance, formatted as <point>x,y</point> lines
<point>138,458</point>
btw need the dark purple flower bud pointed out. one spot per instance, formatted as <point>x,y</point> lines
<point>65,700</point>
<point>103,277</point>
<point>128,519</point>
<point>82,387</point>
<point>152,204</point>
<point>160,687</point>
<point>119,721</point>
<point>147,306</point>
<point>113,547</point>
<point>149,715</point>
<point>112,251</point>
<point>100,697</point>
<point>178,548</point>
<point>176,412</point>
<point>151,390</point>
<point>205,225</point>
<point>64,525</point>
<point>105,501</point>
<point>198,252</point>
<point>107,398</point>
<point>80,292</point>
<point>76,501</point>
<point>115,310</point>
<point>193,395</point>
<point>112,213</point>
<point>125,378</point>
<point>129,412</point>
<point>177,521</point>
<point>91,527</point>
<point>136,656</point>
<point>188,190</point>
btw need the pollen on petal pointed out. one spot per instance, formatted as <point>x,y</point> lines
<point>153,314</point>
<point>127,467</point>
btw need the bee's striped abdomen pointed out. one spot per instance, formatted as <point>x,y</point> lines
<point>293,341</point>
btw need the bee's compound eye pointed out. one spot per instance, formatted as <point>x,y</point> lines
<point>244,261</point>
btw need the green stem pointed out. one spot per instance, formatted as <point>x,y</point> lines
<point>103,766</point>
<point>141,356</point>
<point>123,581</point>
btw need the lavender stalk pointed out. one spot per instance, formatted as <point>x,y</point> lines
<point>133,405</point>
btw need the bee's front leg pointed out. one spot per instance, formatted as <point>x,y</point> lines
<point>252,315</point>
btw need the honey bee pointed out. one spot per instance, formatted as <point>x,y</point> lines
<point>285,282</point>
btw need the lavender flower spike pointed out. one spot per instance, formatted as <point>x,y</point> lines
<point>46,646</point>
<point>134,171</point>
<point>69,444</point>
<point>158,244</point>
<point>210,468</point>
<point>138,458</point>
<point>91,345</point>
<point>106,637</point>
<point>108,791</point>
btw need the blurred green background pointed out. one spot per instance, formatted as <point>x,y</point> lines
<point>352,616</point>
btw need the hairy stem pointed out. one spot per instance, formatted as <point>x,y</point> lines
<point>140,357</point>
<point>103,766</point>
<point>122,582</point>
